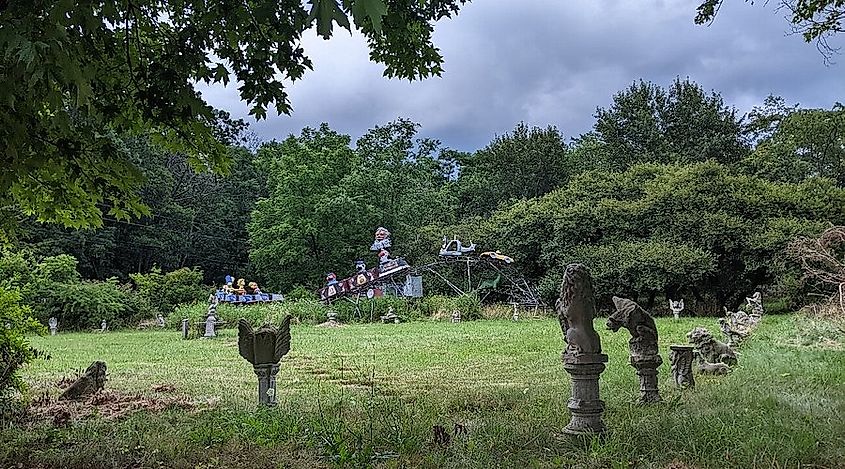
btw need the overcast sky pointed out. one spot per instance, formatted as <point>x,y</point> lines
<point>552,62</point>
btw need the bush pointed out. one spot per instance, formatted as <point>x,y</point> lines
<point>82,305</point>
<point>163,292</point>
<point>15,322</point>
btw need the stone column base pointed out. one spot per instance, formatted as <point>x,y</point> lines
<point>266,383</point>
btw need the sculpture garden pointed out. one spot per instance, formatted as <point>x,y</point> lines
<point>371,394</point>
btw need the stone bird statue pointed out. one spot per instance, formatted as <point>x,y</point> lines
<point>264,346</point>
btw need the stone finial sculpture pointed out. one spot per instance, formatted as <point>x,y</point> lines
<point>710,350</point>
<point>264,348</point>
<point>89,383</point>
<point>681,358</point>
<point>676,306</point>
<point>582,357</point>
<point>642,345</point>
<point>54,325</point>
<point>103,326</point>
<point>160,320</point>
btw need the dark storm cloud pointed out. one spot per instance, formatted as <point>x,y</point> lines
<point>553,62</point>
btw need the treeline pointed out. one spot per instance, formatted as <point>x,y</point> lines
<point>671,194</point>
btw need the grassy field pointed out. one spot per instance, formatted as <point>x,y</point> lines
<point>370,394</point>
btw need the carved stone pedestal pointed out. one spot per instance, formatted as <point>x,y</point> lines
<point>646,367</point>
<point>266,383</point>
<point>680,359</point>
<point>585,405</point>
<point>185,328</point>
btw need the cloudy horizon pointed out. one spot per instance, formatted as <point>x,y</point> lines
<point>548,62</point>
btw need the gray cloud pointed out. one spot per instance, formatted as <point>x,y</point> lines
<point>552,62</point>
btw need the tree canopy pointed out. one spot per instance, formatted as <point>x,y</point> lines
<point>81,76</point>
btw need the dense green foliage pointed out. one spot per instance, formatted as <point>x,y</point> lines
<point>668,230</point>
<point>670,194</point>
<point>15,351</point>
<point>80,76</point>
<point>326,199</point>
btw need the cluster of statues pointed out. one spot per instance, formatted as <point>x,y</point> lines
<point>243,288</point>
<point>584,361</point>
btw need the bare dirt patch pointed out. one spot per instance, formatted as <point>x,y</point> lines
<point>107,404</point>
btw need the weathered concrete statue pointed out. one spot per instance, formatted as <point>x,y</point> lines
<point>681,358</point>
<point>211,318</point>
<point>735,326</point>
<point>54,325</point>
<point>264,348</point>
<point>582,357</point>
<point>456,316</point>
<point>755,303</point>
<point>676,307</point>
<point>89,383</point>
<point>645,357</point>
<point>160,320</point>
<point>103,326</point>
<point>710,350</point>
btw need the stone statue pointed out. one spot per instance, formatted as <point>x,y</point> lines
<point>382,239</point>
<point>210,323</point>
<point>54,325</point>
<point>582,357</point>
<point>642,345</point>
<point>456,316</point>
<point>681,358</point>
<point>676,307</point>
<point>734,327</point>
<point>264,348</point>
<point>160,320</point>
<point>576,308</point>
<point>185,328</point>
<point>89,383</point>
<point>755,302</point>
<point>103,326</point>
<point>710,350</point>
<point>391,316</point>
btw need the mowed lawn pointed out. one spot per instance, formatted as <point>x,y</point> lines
<point>370,395</point>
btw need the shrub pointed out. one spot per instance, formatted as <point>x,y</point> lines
<point>15,322</point>
<point>163,292</point>
<point>82,305</point>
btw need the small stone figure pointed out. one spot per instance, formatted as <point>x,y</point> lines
<point>681,358</point>
<point>89,383</point>
<point>515,316</point>
<point>210,323</point>
<point>103,326</point>
<point>391,316</point>
<point>756,305</point>
<point>264,348</point>
<point>54,325</point>
<point>331,317</point>
<point>456,316</point>
<point>160,320</point>
<point>642,345</point>
<point>676,307</point>
<point>710,350</point>
<point>185,328</point>
<point>582,357</point>
<point>735,327</point>
<point>360,266</point>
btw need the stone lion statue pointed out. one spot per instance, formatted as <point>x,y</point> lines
<point>576,308</point>
<point>709,349</point>
<point>638,322</point>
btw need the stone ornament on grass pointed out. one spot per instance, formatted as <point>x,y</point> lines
<point>92,381</point>
<point>264,348</point>
<point>755,303</point>
<point>582,357</point>
<point>186,324</point>
<point>103,326</point>
<point>681,358</point>
<point>54,325</point>
<point>710,350</point>
<point>456,316</point>
<point>642,345</point>
<point>676,306</point>
<point>160,320</point>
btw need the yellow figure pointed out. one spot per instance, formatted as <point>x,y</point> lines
<point>241,290</point>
